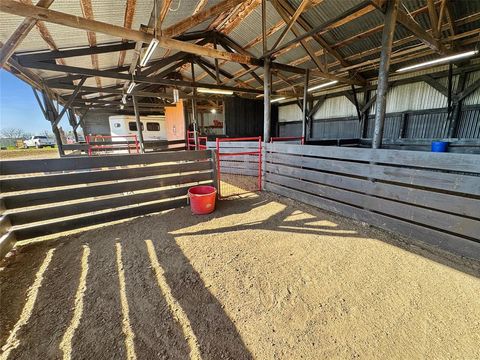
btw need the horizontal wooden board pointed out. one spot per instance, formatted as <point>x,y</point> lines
<point>437,239</point>
<point>83,221</point>
<point>53,196</point>
<point>449,203</point>
<point>452,182</point>
<point>443,161</point>
<point>35,215</point>
<point>90,177</point>
<point>12,167</point>
<point>442,221</point>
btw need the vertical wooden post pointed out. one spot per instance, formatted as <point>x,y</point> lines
<point>51,115</point>
<point>267,78</point>
<point>365,114</point>
<point>73,123</point>
<point>384,66</point>
<point>194,108</point>
<point>455,114</point>
<point>305,106</point>
<point>139,124</point>
<point>403,125</point>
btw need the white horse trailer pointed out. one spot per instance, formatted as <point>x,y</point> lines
<point>153,127</point>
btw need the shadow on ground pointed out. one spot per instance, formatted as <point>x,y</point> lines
<point>158,331</point>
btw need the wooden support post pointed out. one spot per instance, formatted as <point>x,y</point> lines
<point>403,125</point>
<point>384,66</point>
<point>73,123</point>
<point>51,115</point>
<point>194,109</point>
<point>139,124</point>
<point>266,102</point>
<point>365,114</point>
<point>305,106</point>
<point>457,109</point>
<point>267,80</point>
<point>357,106</point>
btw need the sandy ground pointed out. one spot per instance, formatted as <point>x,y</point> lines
<point>262,277</point>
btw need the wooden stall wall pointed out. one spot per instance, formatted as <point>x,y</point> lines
<point>432,197</point>
<point>45,197</point>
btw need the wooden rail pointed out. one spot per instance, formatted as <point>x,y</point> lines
<point>42,197</point>
<point>433,197</point>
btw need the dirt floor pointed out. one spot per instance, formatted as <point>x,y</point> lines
<point>29,154</point>
<point>262,277</point>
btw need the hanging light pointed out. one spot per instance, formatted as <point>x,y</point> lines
<point>130,87</point>
<point>215,91</point>
<point>277,99</point>
<point>439,61</point>
<point>150,50</point>
<point>213,111</point>
<point>124,99</point>
<point>323,85</point>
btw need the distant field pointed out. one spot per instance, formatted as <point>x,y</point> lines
<point>24,154</point>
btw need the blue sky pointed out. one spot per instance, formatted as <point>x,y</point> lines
<point>19,108</point>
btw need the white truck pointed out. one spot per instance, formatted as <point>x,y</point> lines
<point>38,141</point>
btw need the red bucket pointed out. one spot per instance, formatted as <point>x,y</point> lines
<point>202,199</point>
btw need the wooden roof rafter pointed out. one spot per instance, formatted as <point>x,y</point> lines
<point>19,34</point>
<point>127,23</point>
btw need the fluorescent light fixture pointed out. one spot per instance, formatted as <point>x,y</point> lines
<point>323,85</point>
<point>122,107</point>
<point>277,99</point>
<point>148,54</point>
<point>439,61</point>
<point>215,91</point>
<point>213,111</point>
<point>130,87</point>
<point>124,99</point>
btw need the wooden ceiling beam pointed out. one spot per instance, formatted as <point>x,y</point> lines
<point>200,17</point>
<point>236,17</point>
<point>162,14</point>
<point>306,46</point>
<point>137,78</point>
<point>290,22</point>
<point>374,30</point>
<point>322,27</point>
<point>432,14</point>
<point>20,34</point>
<point>16,8</point>
<point>74,52</point>
<point>127,23</point>
<point>405,20</point>
<point>87,11</point>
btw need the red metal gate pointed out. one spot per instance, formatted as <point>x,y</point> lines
<point>239,165</point>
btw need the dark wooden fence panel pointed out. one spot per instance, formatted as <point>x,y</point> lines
<point>45,197</point>
<point>430,196</point>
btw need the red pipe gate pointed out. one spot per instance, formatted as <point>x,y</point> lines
<point>239,165</point>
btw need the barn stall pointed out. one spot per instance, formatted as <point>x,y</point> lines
<point>337,232</point>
